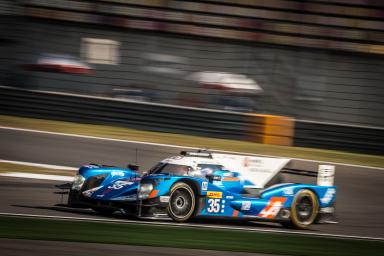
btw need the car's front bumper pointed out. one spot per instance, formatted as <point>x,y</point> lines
<point>148,208</point>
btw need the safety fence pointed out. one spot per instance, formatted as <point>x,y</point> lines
<point>268,129</point>
<point>167,68</point>
<point>333,25</point>
<point>339,137</point>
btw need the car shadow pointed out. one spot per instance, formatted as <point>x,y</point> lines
<point>63,208</point>
<point>87,212</point>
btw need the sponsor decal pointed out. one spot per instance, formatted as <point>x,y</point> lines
<point>153,193</point>
<point>217,183</point>
<point>204,185</point>
<point>328,196</point>
<point>164,199</point>
<point>91,166</point>
<point>252,161</point>
<point>257,171</point>
<point>117,173</point>
<point>89,192</point>
<point>255,165</point>
<point>214,194</point>
<point>216,205</point>
<point>120,184</point>
<point>126,198</point>
<point>288,191</point>
<point>245,205</point>
<point>229,197</point>
<point>272,209</point>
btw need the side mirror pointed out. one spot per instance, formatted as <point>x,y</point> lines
<point>213,177</point>
<point>133,167</point>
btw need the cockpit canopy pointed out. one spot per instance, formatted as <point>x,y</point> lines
<point>200,170</point>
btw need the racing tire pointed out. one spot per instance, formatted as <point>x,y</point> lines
<point>182,202</point>
<point>304,210</point>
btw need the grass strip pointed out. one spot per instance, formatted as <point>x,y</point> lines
<point>182,237</point>
<point>10,167</point>
<point>192,141</point>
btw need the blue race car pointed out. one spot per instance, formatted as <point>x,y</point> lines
<point>203,184</point>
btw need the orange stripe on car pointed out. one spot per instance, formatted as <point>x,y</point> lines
<point>153,193</point>
<point>235,213</point>
<point>230,179</point>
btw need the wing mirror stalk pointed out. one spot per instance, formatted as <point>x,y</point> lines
<point>133,167</point>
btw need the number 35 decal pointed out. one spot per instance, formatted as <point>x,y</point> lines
<point>215,205</point>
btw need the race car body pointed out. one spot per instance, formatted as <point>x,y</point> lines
<point>59,63</point>
<point>94,185</point>
<point>209,185</point>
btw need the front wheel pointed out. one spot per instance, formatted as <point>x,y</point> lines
<point>181,202</point>
<point>304,209</point>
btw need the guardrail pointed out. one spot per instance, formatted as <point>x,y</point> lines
<point>339,137</point>
<point>155,117</point>
<point>268,129</point>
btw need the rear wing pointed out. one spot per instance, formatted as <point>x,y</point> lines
<point>258,171</point>
<point>299,172</point>
<point>325,175</point>
<point>255,171</point>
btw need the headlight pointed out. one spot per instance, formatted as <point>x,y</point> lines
<point>144,190</point>
<point>78,182</point>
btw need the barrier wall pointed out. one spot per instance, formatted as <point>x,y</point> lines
<point>308,85</point>
<point>268,129</point>
<point>339,137</point>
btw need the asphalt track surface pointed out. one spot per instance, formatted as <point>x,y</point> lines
<point>359,199</point>
<point>16,247</point>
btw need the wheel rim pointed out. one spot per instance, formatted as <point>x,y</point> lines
<point>181,203</point>
<point>304,209</point>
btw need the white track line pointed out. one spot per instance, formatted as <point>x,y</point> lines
<point>47,166</point>
<point>176,146</point>
<point>93,137</point>
<point>159,223</point>
<point>37,176</point>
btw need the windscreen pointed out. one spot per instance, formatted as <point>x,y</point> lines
<point>203,170</point>
<point>209,168</point>
<point>171,169</point>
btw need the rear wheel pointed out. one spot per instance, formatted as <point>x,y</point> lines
<point>181,202</point>
<point>304,209</point>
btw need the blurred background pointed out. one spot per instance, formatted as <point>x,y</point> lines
<point>312,60</point>
<point>268,77</point>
